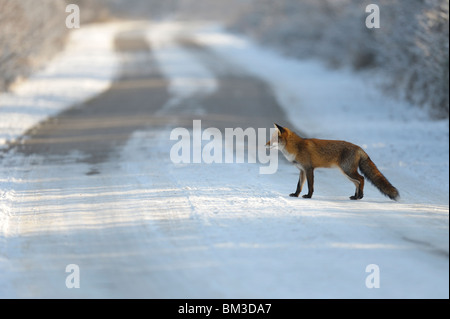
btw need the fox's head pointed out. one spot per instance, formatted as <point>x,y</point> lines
<point>278,139</point>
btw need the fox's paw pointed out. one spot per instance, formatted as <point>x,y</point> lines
<point>293,195</point>
<point>355,197</point>
<point>307,196</point>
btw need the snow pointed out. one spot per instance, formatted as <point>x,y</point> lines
<point>85,68</point>
<point>148,228</point>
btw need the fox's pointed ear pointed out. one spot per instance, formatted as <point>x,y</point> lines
<point>279,128</point>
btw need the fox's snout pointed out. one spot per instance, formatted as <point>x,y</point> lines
<point>271,144</point>
<point>274,140</point>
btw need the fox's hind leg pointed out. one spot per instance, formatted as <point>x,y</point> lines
<point>358,180</point>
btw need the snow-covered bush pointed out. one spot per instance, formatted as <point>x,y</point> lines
<point>411,45</point>
<point>30,32</point>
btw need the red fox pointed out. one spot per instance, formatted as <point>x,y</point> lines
<point>307,154</point>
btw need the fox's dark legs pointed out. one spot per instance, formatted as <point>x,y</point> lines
<point>310,179</point>
<point>301,181</point>
<point>308,175</point>
<point>358,180</point>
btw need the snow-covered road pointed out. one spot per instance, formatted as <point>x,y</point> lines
<point>113,203</point>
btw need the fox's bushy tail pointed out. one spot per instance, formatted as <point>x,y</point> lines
<point>373,174</point>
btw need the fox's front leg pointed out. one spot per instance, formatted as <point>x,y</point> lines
<point>301,181</point>
<point>310,178</point>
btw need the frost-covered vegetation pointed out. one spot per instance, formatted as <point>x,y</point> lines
<point>31,32</point>
<point>411,45</point>
<point>28,33</point>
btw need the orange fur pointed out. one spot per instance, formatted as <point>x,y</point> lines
<point>309,154</point>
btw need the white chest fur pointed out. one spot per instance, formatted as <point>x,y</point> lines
<point>290,157</point>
